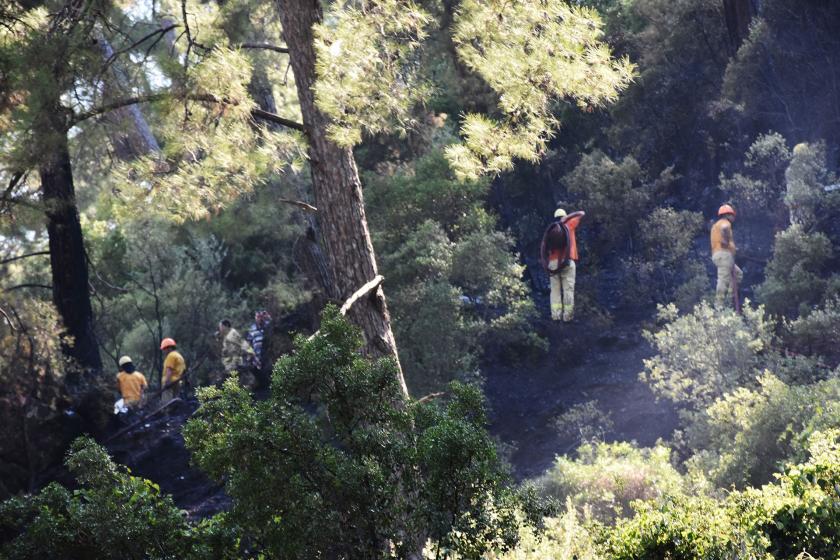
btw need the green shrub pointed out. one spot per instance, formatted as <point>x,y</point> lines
<point>801,512</point>
<point>818,332</point>
<point>614,194</point>
<point>112,515</point>
<point>797,277</point>
<point>748,434</point>
<point>663,266</point>
<point>805,177</point>
<point>760,189</point>
<point>682,528</point>
<point>606,477</point>
<point>335,464</point>
<point>703,354</point>
<point>454,282</point>
<point>571,535</point>
<point>584,422</point>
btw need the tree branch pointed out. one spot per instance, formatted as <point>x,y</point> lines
<point>303,205</point>
<point>361,292</point>
<point>256,113</point>
<point>429,397</point>
<point>266,46</point>
<point>276,119</point>
<point>21,286</point>
<point>12,259</point>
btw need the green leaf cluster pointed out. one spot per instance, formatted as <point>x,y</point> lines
<point>534,55</point>
<point>367,62</point>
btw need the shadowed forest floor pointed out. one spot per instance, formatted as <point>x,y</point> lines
<point>584,364</point>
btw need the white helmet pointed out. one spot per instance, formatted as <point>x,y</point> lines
<point>124,360</point>
<point>559,213</point>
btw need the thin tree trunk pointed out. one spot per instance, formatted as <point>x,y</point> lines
<point>128,129</point>
<point>337,190</point>
<point>738,14</point>
<point>67,251</point>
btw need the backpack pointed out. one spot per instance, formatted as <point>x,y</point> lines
<point>554,253</point>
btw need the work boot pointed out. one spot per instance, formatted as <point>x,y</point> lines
<point>568,314</point>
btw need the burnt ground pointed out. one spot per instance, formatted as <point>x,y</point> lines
<point>154,449</point>
<point>585,363</point>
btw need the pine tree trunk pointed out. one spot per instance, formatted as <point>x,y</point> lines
<point>739,15</point>
<point>67,251</point>
<point>337,189</point>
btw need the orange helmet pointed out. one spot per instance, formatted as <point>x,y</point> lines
<point>726,209</point>
<point>166,343</point>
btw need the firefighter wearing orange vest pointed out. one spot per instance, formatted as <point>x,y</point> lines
<point>559,255</point>
<point>723,254</point>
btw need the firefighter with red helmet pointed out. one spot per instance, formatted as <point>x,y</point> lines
<point>723,255</point>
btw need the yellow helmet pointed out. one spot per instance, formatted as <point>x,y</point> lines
<point>559,213</point>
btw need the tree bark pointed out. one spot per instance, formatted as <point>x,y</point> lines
<point>337,190</point>
<point>738,14</point>
<point>67,251</point>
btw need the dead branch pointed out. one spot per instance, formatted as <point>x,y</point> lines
<point>276,119</point>
<point>21,286</point>
<point>26,256</point>
<point>162,96</point>
<point>300,204</point>
<point>360,293</point>
<point>429,397</point>
<point>8,319</point>
<point>142,419</point>
<point>265,46</point>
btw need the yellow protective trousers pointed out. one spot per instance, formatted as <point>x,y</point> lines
<point>563,292</point>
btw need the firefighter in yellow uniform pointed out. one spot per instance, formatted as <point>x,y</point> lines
<point>723,255</point>
<point>131,383</point>
<point>174,367</point>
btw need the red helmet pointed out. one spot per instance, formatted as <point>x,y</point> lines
<point>166,343</point>
<point>726,209</point>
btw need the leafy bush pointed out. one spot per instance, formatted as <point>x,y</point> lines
<point>706,353</point>
<point>801,512</point>
<point>805,177</point>
<point>112,515</point>
<point>614,194</point>
<point>664,268</point>
<point>818,332</point>
<point>760,190</point>
<point>797,277</point>
<point>682,528</point>
<point>606,477</point>
<point>748,434</point>
<point>584,422</point>
<point>334,464</point>
<point>570,535</point>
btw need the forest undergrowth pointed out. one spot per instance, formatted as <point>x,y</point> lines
<point>169,168</point>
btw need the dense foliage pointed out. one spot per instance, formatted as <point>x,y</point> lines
<point>112,514</point>
<point>333,463</point>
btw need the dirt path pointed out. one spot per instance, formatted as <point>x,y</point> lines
<point>524,399</point>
